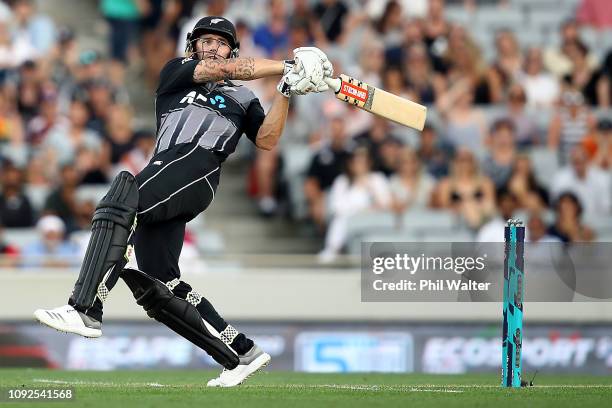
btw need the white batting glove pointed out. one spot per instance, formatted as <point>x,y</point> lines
<point>293,83</point>
<point>328,69</point>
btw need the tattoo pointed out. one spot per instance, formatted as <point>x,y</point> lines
<point>215,70</point>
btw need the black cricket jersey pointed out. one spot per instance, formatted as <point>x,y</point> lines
<point>215,115</point>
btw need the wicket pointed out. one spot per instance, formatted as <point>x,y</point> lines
<point>514,290</point>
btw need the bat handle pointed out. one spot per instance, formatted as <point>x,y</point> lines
<point>333,83</point>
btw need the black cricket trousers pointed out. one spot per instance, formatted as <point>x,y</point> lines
<point>176,186</point>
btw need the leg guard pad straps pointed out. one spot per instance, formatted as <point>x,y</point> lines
<point>179,315</point>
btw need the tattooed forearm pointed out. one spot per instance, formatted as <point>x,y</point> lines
<point>215,70</point>
<point>236,68</point>
<point>245,68</point>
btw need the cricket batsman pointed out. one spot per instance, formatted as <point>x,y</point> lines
<point>139,225</point>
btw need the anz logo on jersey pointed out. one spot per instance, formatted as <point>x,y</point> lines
<point>193,96</point>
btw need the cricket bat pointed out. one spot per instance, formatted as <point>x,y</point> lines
<point>378,101</point>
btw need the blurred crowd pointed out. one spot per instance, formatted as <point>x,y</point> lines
<point>512,125</point>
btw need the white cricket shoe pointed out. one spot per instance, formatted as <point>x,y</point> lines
<point>67,319</point>
<point>254,360</point>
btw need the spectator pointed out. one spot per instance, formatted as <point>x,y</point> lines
<point>326,165</point>
<point>15,207</point>
<point>542,88</point>
<point>389,25</point>
<point>331,15</point>
<point>50,250</point>
<point>122,16</point>
<point>526,130</point>
<point>247,45</point>
<point>523,185</point>
<point>12,134</point>
<point>595,13</point>
<point>29,90</point>
<point>372,61</point>
<point>37,174</point>
<point>411,187</point>
<point>119,138</point>
<point>412,35</point>
<point>462,61</point>
<point>465,191</point>
<point>584,78</point>
<point>435,24</point>
<point>498,162</point>
<point>434,153</point>
<point>136,159</point>
<point>13,51</point>
<point>101,98</point>
<point>557,61</point>
<point>62,201</point>
<point>537,231</point>
<point>91,67</point>
<point>380,144</point>
<point>598,146</point>
<point>63,61</point>
<point>493,231</point>
<point>67,137</point>
<point>590,184</point>
<point>423,85</point>
<point>568,226</point>
<point>37,29</point>
<point>273,35</point>
<point>48,117</point>
<point>88,166</point>
<point>356,191</point>
<point>569,125</point>
<point>509,60</point>
<point>466,125</point>
<point>303,16</point>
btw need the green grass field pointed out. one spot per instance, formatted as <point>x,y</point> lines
<point>166,389</point>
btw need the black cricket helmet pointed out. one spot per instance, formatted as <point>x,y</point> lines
<point>216,25</point>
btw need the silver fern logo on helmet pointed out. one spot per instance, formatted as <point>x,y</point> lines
<point>215,20</point>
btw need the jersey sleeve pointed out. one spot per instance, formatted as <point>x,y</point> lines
<point>255,116</point>
<point>177,74</point>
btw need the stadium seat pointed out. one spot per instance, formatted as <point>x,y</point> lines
<point>545,163</point>
<point>606,40</point>
<point>363,223</point>
<point>209,241</point>
<point>451,236</point>
<point>530,37</point>
<point>20,236</point>
<point>296,159</point>
<point>459,15</point>
<point>421,221</point>
<point>547,18</point>
<point>354,247</point>
<point>496,17</point>
<point>601,224</point>
<point>591,37</point>
<point>542,118</point>
<point>601,113</point>
<point>540,4</point>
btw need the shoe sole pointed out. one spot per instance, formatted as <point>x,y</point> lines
<point>259,363</point>
<point>42,318</point>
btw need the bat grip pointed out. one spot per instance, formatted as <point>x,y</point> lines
<point>333,83</point>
